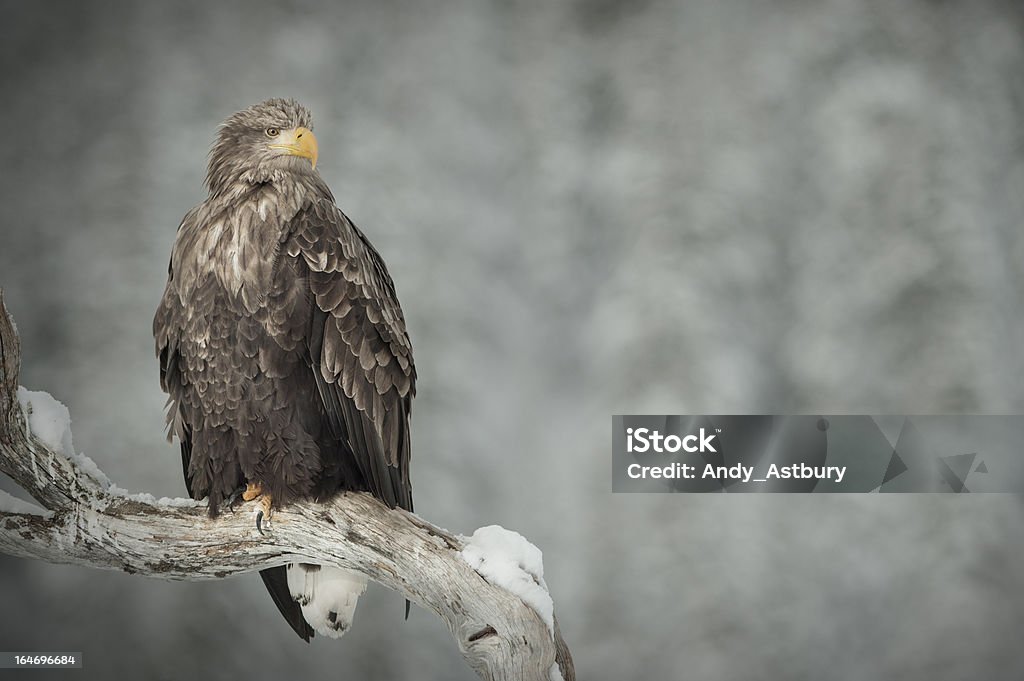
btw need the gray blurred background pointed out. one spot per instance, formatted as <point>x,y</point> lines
<point>588,208</point>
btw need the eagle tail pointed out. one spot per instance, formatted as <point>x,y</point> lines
<point>276,581</point>
<point>326,595</point>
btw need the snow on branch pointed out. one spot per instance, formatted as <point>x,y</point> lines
<point>488,589</point>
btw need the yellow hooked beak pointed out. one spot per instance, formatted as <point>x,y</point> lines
<point>298,142</point>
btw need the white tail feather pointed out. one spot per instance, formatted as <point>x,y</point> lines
<point>328,596</point>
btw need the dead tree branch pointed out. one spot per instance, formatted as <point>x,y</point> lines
<point>86,521</point>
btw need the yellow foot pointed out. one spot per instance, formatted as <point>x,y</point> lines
<point>254,492</point>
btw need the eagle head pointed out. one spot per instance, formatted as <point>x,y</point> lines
<point>261,143</point>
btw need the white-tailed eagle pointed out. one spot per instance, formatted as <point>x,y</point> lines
<point>283,349</point>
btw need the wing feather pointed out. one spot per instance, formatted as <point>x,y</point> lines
<point>166,327</point>
<point>359,348</point>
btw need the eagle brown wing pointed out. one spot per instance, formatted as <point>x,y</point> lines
<point>359,350</point>
<point>166,330</point>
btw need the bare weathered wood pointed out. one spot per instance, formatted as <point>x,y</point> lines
<point>93,525</point>
<point>10,357</point>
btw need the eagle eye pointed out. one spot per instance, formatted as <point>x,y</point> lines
<point>273,132</point>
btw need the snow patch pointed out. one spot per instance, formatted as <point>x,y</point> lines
<point>89,467</point>
<point>506,559</point>
<point>147,498</point>
<point>50,422</point>
<point>47,419</point>
<point>12,504</point>
<point>178,502</point>
<point>554,673</point>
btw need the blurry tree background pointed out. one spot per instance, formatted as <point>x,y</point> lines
<point>589,208</point>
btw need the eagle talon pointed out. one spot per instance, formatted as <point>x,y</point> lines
<point>234,499</point>
<point>254,493</point>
